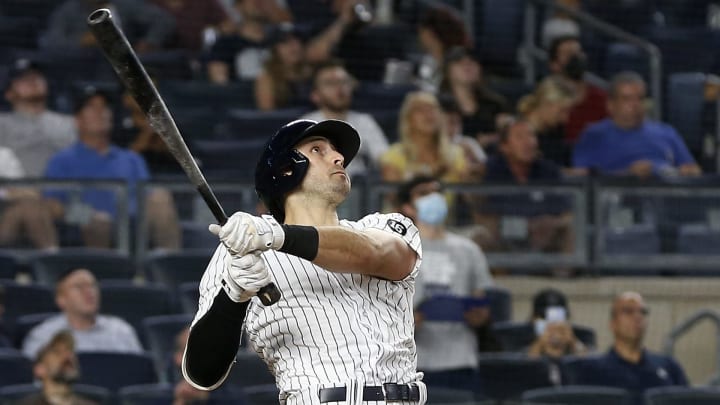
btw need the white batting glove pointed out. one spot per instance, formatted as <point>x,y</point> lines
<point>244,233</point>
<point>244,276</point>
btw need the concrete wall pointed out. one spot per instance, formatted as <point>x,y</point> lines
<point>671,300</point>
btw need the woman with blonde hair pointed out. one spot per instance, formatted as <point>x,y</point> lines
<point>424,146</point>
<point>547,109</point>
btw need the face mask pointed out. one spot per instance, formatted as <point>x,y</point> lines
<point>431,209</point>
<point>575,67</point>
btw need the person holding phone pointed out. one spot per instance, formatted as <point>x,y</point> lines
<point>554,334</point>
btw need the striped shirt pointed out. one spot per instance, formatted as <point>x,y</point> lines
<point>330,328</point>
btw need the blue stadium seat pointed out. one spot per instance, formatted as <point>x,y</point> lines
<point>8,265</point>
<point>500,303</point>
<point>13,393</point>
<point>506,376</point>
<point>266,394</point>
<point>252,124</point>
<point>500,33</point>
<point>195,237</point>
<point>685,101</point>
<point>442,395</point>
<point>134,302</point>
<point>25,299</point>
<point>576,395</point>
<point>18,32</point>
<point>642,239</point>
<point>173,269</point>
<point>160,333</point>
<point>621,57</point>
<point>698,239</point>
<point>388,122</point>
<point>684,49</point>
<point>115,370</point>
<point>517,336</point>
<point>376,96</point>
<point>578,370</point>
<point>23,324</point>
<point>234,159</point>
<point>38,10</point>
<point>682,396</point>
<point>172,64</point>
<point>15,368</point>
<point>248,371</point>
<point>189,296</point>
<point>104,264</point>
<point>198,94</point>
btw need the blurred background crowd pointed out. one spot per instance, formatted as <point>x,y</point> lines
<point>554,154</point>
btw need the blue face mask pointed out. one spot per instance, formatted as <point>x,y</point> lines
<point>431,209</point>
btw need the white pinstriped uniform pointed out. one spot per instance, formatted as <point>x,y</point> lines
<point>330,329</point>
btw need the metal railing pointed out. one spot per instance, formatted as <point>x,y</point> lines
<point>532,52</point>
<point>685,326</point>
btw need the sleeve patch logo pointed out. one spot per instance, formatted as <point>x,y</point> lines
<point>397,227</point>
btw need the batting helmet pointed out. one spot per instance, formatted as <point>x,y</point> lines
<point>281,167</point>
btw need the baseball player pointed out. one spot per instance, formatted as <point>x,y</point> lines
<point>343,330</point>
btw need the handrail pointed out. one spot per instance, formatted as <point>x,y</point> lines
<point>533,52</point>
<point>685,326</point>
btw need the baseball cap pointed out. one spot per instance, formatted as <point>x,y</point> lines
<point>20,67</point>
<point>86,93</point>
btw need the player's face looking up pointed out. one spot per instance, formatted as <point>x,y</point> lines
<point>326,175</point>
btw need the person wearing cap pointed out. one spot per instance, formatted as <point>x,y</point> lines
<point>78,296</point>
<point>93,156</point>
<point>342,329</point>
<point>56,367</point>
<point>148,26</point>
<point>332,93</point>
<point>30,130</point>
<point>285,75</point>
<point>554,336</point>
<point>481,108</point>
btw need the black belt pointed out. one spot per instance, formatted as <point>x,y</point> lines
<point>392,392</point>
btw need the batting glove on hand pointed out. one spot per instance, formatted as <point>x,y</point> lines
<point>244,276</point>
<point>244,233</point>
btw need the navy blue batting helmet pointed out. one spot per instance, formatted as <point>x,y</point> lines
<point>281,167</point>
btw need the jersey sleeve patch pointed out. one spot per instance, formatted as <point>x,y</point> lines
<point>397,227</point>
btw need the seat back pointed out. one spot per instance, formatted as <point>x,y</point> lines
<point>115,370</point>
<point>506,376</point>
<point>105,265</point>
<point>15,368</point>
<point>160,334</point>
<point>576,395</point>
<point>682,396</point>
<point>500,303</point>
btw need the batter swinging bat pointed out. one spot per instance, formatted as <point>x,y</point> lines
<point>126,64</point>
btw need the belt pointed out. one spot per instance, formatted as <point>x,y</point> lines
<point>388,392</point>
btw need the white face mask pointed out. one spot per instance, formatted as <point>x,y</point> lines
<point>431,209</point>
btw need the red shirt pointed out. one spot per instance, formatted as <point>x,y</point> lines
<point>590,109</point>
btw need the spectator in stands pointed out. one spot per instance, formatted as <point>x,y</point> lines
<point>192,19</point>
<point>57,369</point>
<point>474,152</point>
<point>560,24</point>
<point>23,211</point>
<point>240,52</point>
<point>148,27</point>
<point>567,59</point>
<point>628,364</point>
<point>78,296</point>
<point>31,131</point>
<point>452,265</point>
<point>285,76</point>
<point>544,221</point>
<point>4,338</point>
<point>424,146</point>
<point>547,109</point>
<point>184,393</point>
<point>439,30</point>
<point>481,107</point>
<point>554,336</point>
<point>147,142</point>
<point>627,143</point>
<point>332,93</point>
<point>93,157</point>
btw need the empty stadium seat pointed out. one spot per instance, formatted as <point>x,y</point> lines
<point>134,302</point>
<point>189,297</point>
<point>576,395</point>
<point>500,303</point>
<point>160,333</point>
<point>685,101</point>
<point>12,393</point>
<point>517,336</point>
<point>198,94</point>
<point>195,237</point>
<point>698,239</point>
<point>506,375</point>
<point>104,264</point>
<point>248,371</point>
<point>8,265</point>
<point>25,299</point>
<point>246,124</point>
<point>24,324</point>
<point>578,370</point>
<point>682,396</point>
<point>500,33</point>
<point>621,57</point>
<point>642,239</point>
<point>15,368</point>
<point>235,159</point>
<point>376,96</point>
<point>173,269</point>
<point>115,370</point>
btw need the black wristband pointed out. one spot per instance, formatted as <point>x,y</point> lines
<point>301,241</point>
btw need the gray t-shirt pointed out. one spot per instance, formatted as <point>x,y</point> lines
<point>110,334</point>
<point>36,138</point>
<point>452,265</point>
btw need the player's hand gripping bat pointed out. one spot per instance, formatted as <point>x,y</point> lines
<point>131,72</point>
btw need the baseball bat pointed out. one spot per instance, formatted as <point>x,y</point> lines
<point>131,72</point>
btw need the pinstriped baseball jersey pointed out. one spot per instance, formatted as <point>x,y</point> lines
<point>330,328</point>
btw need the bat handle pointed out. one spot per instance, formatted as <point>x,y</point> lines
<point>269,294</point>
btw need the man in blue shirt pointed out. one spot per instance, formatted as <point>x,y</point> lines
<point>93,156</point>
<point>628,364</point>
<point>627,143</point>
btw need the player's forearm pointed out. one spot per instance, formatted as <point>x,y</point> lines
<point>213,343</point>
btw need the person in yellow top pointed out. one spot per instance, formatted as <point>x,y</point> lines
<point>424,148</point>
